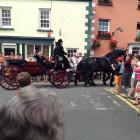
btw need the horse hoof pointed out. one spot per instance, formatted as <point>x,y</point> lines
<point>104,84</point>
<point>85,84</point>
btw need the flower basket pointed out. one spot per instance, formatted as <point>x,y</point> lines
<point>104,35</point>
<point>113,44</point>
<point>96,44</point>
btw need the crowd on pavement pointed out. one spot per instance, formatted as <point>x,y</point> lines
<point>127,75</point>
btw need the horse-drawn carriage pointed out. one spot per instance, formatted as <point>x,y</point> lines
<point>59,78</point>
<point>58,75</point>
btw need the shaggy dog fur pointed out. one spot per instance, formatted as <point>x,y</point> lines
<point>31,115</point>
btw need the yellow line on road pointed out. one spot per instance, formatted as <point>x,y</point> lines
<point>137,109</point>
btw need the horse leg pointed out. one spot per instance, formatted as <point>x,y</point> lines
<point>90,79</point>
<point>112,79</point>
<point>86,79</point>
<point>104,78</point>
<point>76,78</point>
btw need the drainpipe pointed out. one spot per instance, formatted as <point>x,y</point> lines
<point>90,27</point>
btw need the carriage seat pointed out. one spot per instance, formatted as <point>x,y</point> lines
<point>17,62</point>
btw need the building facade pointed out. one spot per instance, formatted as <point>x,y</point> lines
<point>29,25</point>
<point>117,20</point>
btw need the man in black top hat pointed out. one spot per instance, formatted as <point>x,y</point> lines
<point>59,51</point>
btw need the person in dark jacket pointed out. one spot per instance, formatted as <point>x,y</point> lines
<point>59,51</point>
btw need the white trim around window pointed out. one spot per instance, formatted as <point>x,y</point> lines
<point>5,17</point>
<point>44,18</point>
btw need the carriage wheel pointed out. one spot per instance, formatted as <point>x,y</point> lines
<point>8,78</point>
<point>66,80</point>
<point>56,78</point>
<point>61,79</point>
<point>51,77</point>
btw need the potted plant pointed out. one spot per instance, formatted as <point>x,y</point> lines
<point>96,43</point>
<point>104,35</point>
<point>113,44</point>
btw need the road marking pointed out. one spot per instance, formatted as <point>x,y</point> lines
<point>115,102</point>
<point>124,100</point>
<point>103,108</point>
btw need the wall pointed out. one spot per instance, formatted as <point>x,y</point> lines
<point>123,14</point>
<point>69,17</point>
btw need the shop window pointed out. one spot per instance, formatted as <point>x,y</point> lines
<point>135,50</point>
<point>46,50</point>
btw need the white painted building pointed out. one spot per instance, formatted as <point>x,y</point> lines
<point>26,25</point>
<point>134,48</point>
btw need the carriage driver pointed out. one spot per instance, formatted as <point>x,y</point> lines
<point>59,51</point>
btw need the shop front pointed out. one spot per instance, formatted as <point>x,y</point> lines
<point>26,45</point>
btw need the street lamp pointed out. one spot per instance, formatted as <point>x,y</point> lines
<point>118,29</point>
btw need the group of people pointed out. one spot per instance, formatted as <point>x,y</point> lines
<point>127,74</point>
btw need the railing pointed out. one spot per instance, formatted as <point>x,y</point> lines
<point>104,35</point>
<point>105,2</point>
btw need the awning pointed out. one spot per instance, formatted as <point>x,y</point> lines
<point>27,40</point>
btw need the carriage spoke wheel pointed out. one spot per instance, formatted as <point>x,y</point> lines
<point>51,77</point>
<point>56,78</point>
<point>60,79</point>
<point>8,79</point>
<point>66,80</point>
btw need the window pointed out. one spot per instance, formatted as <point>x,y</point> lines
<point>71,51</point>
<point>104,25</point>
<point>135,50</point>
<point>44,18</point>
<point>5,17</point>
<point>138,4</point>
<point>138,29</point>
<point>105,2</point>
<point>138,32</point>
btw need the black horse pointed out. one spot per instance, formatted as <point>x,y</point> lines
<point>88,66</point>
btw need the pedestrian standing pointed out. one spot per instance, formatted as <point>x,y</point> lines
<point>137,89</point>
<point>118,74</point>
<point>126,77</point>
<point>135,60</point>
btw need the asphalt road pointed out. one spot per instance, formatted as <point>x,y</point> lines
<point>92,113</point>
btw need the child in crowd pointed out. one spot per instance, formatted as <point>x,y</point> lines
<point>118,74</point>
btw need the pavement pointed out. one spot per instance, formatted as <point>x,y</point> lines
<point>92,113</point>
